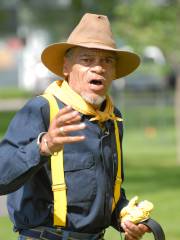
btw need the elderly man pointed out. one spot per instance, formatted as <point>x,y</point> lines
<point>70,139</point>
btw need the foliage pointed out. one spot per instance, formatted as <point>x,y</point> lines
<point>141,23</point>
<point>59,19</point>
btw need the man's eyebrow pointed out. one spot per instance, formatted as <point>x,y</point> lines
<point>86,55</point>
<point>113,56</point>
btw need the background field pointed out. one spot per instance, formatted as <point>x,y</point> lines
<point>151,170</point>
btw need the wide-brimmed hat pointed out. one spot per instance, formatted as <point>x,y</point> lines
<point>93,31</point>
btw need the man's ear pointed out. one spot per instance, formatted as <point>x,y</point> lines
<point>66,68</point>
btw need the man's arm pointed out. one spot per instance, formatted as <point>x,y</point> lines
<point>115,216</point>
<point>19,153</point>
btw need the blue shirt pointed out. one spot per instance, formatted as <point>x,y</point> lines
<point>90,170</point>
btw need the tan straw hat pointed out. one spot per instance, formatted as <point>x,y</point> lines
<point>93,31</point>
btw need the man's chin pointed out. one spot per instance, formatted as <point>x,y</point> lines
<point>98,100</point>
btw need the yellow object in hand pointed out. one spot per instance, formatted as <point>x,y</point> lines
<point>136,212</point>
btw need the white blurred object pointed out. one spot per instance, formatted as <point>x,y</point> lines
<point>154,53</point>
<point>33,75</point>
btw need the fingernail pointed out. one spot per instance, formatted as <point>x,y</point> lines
<point>82,124</point>
<point>75,113</point>
<point>122,225</point>
<point>82,137</point>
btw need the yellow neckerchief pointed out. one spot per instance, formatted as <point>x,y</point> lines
<point>62,91</point>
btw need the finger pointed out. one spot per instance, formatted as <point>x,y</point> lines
<point>64,110</point>
<point>69,139</point>
<point>67,117</point>
<point>61,131</point>
<point>129,237</point>
<point>143,228</point>
<point>61,112</point>
<point>75,120</point>
<point>132,229</point>
<point>71,128</point>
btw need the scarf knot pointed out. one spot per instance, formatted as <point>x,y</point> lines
<point>104,116</point>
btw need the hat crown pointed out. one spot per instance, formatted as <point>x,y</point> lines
<point>93,29</point>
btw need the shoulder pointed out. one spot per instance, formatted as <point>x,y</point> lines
<point>37,102</point>
<point>36,106</point>
<point>35,111</point>
<point>117,112</point>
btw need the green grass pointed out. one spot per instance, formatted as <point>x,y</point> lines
<point>7,93</point>
<point>152,173</point>
<point>5,118</point>
<point>6,232</point>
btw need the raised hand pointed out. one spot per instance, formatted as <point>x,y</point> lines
<point>66,121</point>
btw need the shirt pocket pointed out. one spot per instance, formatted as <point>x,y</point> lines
<point>80,177</point>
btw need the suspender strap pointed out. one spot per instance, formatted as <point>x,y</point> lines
<point>156,229</point>
<point>118,176</point>
<point>57,171</point>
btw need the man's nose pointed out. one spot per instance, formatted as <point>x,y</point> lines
<point>98,68</point>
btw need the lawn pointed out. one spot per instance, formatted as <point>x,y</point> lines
<point>5,118</point>
<point>151,171</point>
<point>10,93</point>
<point>6,232</point>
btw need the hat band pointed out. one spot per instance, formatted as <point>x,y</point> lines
<point>94,42</point>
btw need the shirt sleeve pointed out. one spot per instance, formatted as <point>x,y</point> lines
<point>115,215</point>
<point>19,153</point>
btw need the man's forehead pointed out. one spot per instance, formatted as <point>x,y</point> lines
<point>93,52</point>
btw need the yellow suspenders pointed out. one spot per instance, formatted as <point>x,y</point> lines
<point>118,181</point>
<point>57,171</point>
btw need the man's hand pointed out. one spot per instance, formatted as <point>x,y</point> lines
<point>133,231</point>
<point>66,121</point>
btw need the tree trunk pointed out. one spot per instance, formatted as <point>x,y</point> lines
<point>177,116</point>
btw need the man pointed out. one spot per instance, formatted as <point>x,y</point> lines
<point>81,141</point>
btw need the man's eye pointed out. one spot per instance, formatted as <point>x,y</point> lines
<point>110,60</point>
<point>86,60</point>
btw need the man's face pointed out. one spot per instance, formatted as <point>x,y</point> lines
<point>90,72</point>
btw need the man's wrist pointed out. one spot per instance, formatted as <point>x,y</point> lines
<point>44,150</point>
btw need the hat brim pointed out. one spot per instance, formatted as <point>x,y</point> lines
<point>53,58</point>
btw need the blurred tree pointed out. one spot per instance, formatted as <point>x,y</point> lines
<point>143,23</point>
<point>8,18</point>
<point>153,22</point>
<point>60,16</point>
